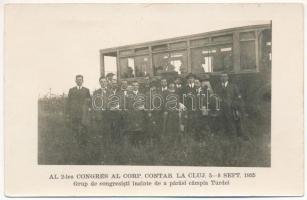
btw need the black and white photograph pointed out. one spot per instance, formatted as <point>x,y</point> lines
<point>200,99</point>
<point>153,100</point>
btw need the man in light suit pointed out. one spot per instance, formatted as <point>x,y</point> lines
<point>77,105</point>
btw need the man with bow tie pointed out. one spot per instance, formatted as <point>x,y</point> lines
<point>78,97</point>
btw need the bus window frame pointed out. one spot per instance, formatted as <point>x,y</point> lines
<point>235,43</point>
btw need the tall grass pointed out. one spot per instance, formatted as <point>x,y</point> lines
<point>57,145</point>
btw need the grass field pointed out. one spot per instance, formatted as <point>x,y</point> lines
<point>56,145</point>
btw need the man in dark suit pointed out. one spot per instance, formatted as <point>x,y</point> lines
<point>202,106</point>
<point>189,100</point>
<point>145,87</point>
<point>153,113</point>
<point>231,107</point>
<point>77,106</point>
<point>163,86</point>
<point>99,104</point>
<point>179,87</point>
<point>232,115</point>
<point>136,114</point>
<point>114,113</point>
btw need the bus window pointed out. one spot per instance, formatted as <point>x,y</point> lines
<point>201,60</point>
<point>142,66</point>
<point>170,62</point>
<point>110,65</point>
<point>248,54</point>
<point>222,59</point>
<point>160,61</point>
<point>127,67</point>
<point>212,59</point>
<point>178,60</point>
<point>265,41</point>
<point>131,67</point>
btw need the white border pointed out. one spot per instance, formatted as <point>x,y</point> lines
<point>127,1</point>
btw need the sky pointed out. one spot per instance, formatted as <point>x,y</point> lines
<point>61,41</point>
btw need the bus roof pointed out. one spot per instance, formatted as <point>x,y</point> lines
<point>187,37</point>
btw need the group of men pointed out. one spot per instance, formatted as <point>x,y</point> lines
<point>164,110</point>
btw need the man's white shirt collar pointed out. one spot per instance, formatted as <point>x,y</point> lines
<point>225,84</point>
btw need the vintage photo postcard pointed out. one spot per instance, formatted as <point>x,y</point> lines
<point>153,100</point>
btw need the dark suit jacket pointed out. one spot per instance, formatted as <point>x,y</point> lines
<point>113,99</point>
<point>99,99</point>
<point>230,96</point>
<point>179,92</point>
<point>76,101</point>
<point>190,97</point>
<point>135,115</point>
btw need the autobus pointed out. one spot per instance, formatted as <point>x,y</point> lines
<point>242,52</point>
